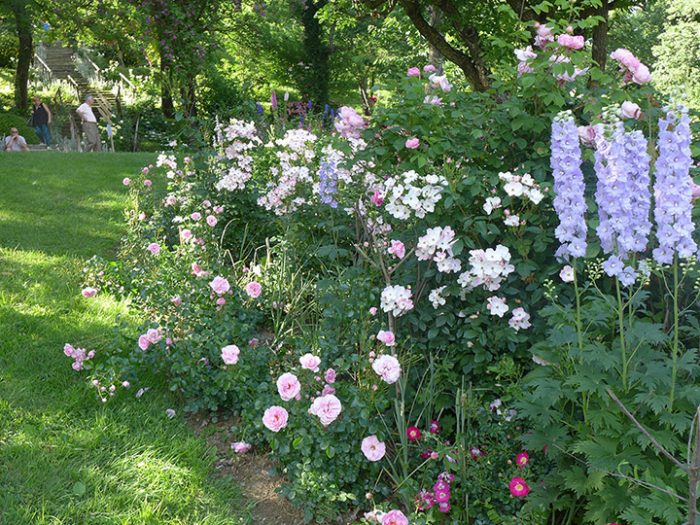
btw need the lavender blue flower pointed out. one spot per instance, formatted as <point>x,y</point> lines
<point>613,266</point>
<point>673,188</point>
<point>569,187</point>
<point>622,193</point>
<point>328,182</point>
<point>627,276</point>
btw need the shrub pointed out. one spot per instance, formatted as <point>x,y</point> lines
<point>9,120</point>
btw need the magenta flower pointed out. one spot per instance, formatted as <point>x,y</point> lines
<point>372,448</point>
<point>522,459</point>
<point>377,199</point>
<point>434,426</point>
<point>275,418</point>
<point>413,433</point>
<point>394,517</point>
<point>330,376</point>
<point>518,487</point>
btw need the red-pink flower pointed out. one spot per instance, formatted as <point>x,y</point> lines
<point>434,426</point>
<point>413,433</point>
<point>522,459</point>
<point>518,487</point>
<point>377,199</point>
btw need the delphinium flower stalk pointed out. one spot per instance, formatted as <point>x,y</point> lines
<point>328,182</point>
<point>673,209</point>
<point>569,187</point>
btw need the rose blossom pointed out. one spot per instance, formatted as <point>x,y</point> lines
<point>330,376</point>
<point>219,285</point>
<point>275,418</point>
<point>327,408</point>
<point>387,337</point>
<point>288,386</point>
<point>186,234</point>
<point>429,68</point>
<point>388,368</point>
<point>397,249</point>
<point>518,487</point>
<point>153,335</point>
<point>196,216</point>
<point>373,311</point>
<point>89,292</point>
<point>177,300</point>
<point>630,110</point>
<point>570,41</point>
<point>372,448</point>
<point>144,343</point>
<point>394,517</point>
<point>147,183</point>
<point>377,199</point>
<point>412,143</point>
<point>253,289</point>
<point>126,181</point>
<point>413,72</point>
<point>229,354</point>
<point>413,433</point>
<point>522,459</point>
<point>240,447</point>
<point>154,248</point>
<point>211,220</point>
<point>310,362</point>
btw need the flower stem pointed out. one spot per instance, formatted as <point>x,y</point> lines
<point>579,335</point>
<point>621,327</point>
<point>674,348</point>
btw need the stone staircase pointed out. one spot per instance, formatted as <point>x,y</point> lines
<point>56,62</point>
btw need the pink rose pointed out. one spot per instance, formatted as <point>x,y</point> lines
<point>219,285</point>
<point>170,200</point>
<point>394,517</point>
<point>154,248</point>
<point>196,216</point>
<point>387,337</point>
<point>328,389</point>
<point>429,68</point>
<point>372,448</point>
<point>413,72</point>
<point>275,418</point>
<point>388,368</point>
<point>220,301</point>
<point>630,110</point>
<point>144,343</point>
<point>186,234</point>
<point>288,386</point>
<point>253,342</point>
<point>177,300</point>
<point>253,289</point>
<point>327,408</point>
<point>397,249</point>
<point>153,335</point>
<point>211,220</point>
<point>641,74</point>
<point>310,362</point>
<point>89,292</point>
<point>587,134</point>
<point>229,354</point>
<point>145,170</point>
<point>373,311</point>
<point>126,181</point>
<point>331,374</point>
<point>570,41</point>
<point>412,143</point>
<point>377,199</point>
<point>626,58</point>
<point>147,183</point>
<point>197,270</point>
<point>240,447</point>
<point>218,209</point>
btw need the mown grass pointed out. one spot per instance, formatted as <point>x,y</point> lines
<point>65,458</point>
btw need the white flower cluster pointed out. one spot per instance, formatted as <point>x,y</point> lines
<point>436,245</point>
<point>497,306</point>
<point>521,186</point>
<point>520,319</point>
<point>492,203</point>
<point>488,268</point>
<point>397,300</point>
<point>412,194</point>
<point>237,139</point>
<point>171,162</point>
<point>435,297</point>
<point>294,151</point>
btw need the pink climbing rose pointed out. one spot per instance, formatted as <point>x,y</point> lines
<point>229,354</point>
<point>413,72</point>
<point>394,517</point>
<point>397,249</point>
<point>310,362</point>
<point>154,248</point>
<point>327,408</point>
<point>571,41</point>
<point>288,386</point>
<point>219,285</point>
<point>211,220</point>
<point>253,289</point>
<point>630,110</point>
<point>387,337</point>
<point>275,418</point>
<point>412,143</point>
<point>372,448</point>
<point>240,447</point>
<point>388,368</point>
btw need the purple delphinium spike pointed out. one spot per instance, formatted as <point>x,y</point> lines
<point>673,188</point>
<point>622,192</point>
<point>569,202</point>
<point>328,180</point>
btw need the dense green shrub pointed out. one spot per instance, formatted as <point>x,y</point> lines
<point>10,120</point>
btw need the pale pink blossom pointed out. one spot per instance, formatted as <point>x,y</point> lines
<point>412,143</point>
<point>587,135</point>
<point>373,311</point>
<point>229,354</point>
<point>144,343</point>
<point>275,418</point>
<point>429,68</point>
<point>212,220</point>
<point>126,181</point>
<point>310,362</point>
<point>394,517</point>
<point>186,234</point>
<point>630,110</point>
<point>288,386</point>
<point>387,337</point>
<point>176,300</point>
<point>148,183</point>
<point>221,301</point>
<point>197,270</point>
<point>329,376</point>
<point>413,72</point>
<point>327,408</point>
<point>154,248</point>
<point>153,335</point>
<point>240,447</point>
<point>89,292</point>
<point>397,249</point>
<point>372,448</point>
<point>220,285</point>
<point>196,216</point>
<point>567,274</point>
<point>253,289</point>
<point>388,368</point>
<point>571,41</point>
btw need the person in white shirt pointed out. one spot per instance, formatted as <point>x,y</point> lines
<point>92,134</point>
<point>15,141</point>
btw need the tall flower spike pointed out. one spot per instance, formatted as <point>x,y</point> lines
<point>569,187</point>
<point>673,188</point>
<point>622,194</point>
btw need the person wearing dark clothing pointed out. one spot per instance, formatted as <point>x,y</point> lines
<point>41,119</point>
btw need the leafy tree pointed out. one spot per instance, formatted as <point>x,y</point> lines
<point>677,70</point>
<point>21,11</point>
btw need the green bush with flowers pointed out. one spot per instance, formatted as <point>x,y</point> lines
<point>372,299</point>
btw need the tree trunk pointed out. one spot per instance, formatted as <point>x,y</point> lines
<point>23,22</point>
<point>316,78</point>
<point>600,36</point>
<point>434,56</point>
<point>166,96</point>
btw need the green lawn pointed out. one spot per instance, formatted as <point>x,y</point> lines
<point>64,457</point>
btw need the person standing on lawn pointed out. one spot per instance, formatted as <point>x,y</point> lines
<point>92,134</point>
<point>41,120</point>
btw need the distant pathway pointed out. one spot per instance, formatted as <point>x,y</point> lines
<point>64,457</point>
